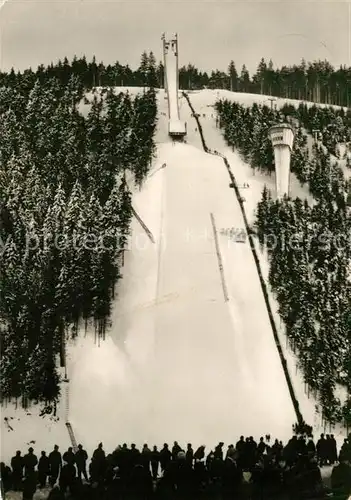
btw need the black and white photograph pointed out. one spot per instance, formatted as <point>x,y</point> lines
<point>175,249</point>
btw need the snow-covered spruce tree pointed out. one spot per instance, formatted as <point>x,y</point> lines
<point>145,118</point>
<point>61,190</point>
<point>310,280</point>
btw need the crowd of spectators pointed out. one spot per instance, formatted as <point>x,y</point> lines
<point>247,470</point>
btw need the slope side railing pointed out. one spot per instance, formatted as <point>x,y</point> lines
<point>144,226</point>
<point>72,437</point>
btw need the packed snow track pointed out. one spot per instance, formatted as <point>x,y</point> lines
<point>189,364</point>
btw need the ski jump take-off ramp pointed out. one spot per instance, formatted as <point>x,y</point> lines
<point>176,128</point>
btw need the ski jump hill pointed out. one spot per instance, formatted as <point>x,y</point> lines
<point>190,355</point>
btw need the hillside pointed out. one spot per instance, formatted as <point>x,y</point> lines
<point>117,374</point>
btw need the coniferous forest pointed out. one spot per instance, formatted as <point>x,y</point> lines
<point>65,213</point>
<point>308,246</point>
<point>316,81</point>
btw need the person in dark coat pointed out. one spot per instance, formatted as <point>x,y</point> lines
<point>199,453</point>
<point>276,450</point>
<point>140,484</point>
<point>246,455</point>
<point>67,477</point>
<point>183,477</point>
<point>43,469</point>
<point>124,461</point>
<point>328,449</point>
<point>341,479</point>
<point>201,480</point>
<point>261,447</point>
<point>146,457</point>
<point>114,488</point>
<point>17,465</point>
<point>56,494</point>
<point>30,462</point>
<point>290,452</point>
<point>155,457</point>
<point>69,456</point>
<point>165,457</point>
<point>240,445</point>
<point>29,484</point>
<point>98,464</point>
<point>99,453</point>
<point>189,455</point>
<point>218,451</point>
<point>81,458</point>
<point>209,461</point>
<point>6,477</point>
<point>345,451</point>
<point>231,478</point>
<point>175,450</point>
<point>55,462</point>
<point>333,450</point>
<point>134,455</point>
<point>252,451</point>
<point>301,446</point>
<point>321,451</point>
<point>311,447</point>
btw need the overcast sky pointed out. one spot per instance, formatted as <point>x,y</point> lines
<point>211,33</point>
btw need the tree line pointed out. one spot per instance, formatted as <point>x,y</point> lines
<point>316,81</point>
<point>65,211</point>
<point>308,250</point>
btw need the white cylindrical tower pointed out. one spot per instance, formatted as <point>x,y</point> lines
<point>282,137</point>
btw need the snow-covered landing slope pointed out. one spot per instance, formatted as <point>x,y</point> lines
<point>203,368</point>
<point>184,364</point>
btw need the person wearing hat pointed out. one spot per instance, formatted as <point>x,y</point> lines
<point>81,458</point>
<point>55,461</point>
<point>30,461</point>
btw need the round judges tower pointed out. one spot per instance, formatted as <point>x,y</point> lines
<point>282,137</point>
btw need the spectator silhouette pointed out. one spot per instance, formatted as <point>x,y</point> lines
<point>43,469</point>
<point>17,465</point>
<point>165,457</point>
<point>81,458</point>
<point>155,457</point>
<point>29,485</point>
<point>30,462</point>
<point>55,462</point>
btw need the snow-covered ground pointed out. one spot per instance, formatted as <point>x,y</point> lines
<point>179,362</point>
<point>245,175</point>
<point>210,96</point>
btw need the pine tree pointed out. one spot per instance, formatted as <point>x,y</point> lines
<point>144,69</point>
<point>233,77</point>
<point>152,71</point>
<point>244,80</point>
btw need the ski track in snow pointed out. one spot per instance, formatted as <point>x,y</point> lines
<point>179,363</point>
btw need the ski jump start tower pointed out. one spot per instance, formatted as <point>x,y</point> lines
<point>176,128</point>
<point>282,137</point>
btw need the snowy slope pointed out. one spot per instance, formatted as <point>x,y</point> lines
<point>245,175</point>
<point>180,362</point>
<point>210,96</point>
